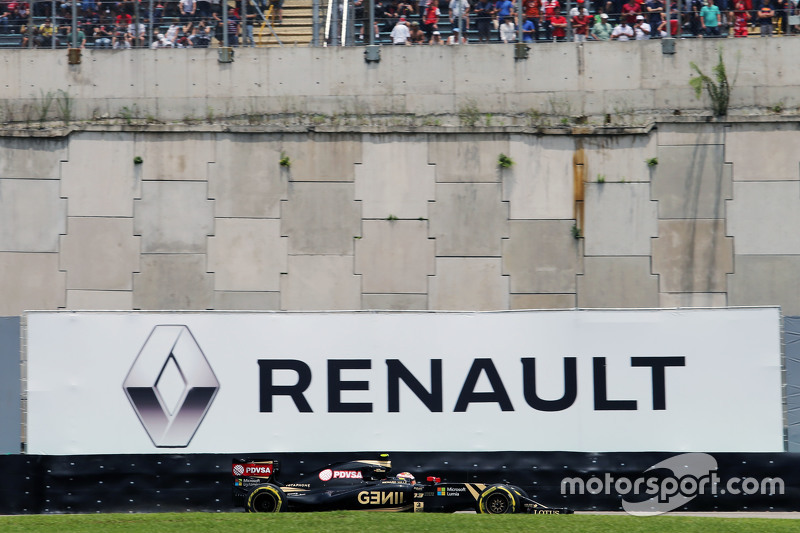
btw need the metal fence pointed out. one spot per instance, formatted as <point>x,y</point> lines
<point>153,24</point>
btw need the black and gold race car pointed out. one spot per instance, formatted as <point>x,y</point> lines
<point>370,485</point>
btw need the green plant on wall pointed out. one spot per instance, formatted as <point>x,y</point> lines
<point>64,103</point>
<point>469,115</point>
<point>138,160</point>
<point>576,231</point>
<point>651,162</point>
<point>503,161</point>
<point>719,89</point>
<point>285,161</point>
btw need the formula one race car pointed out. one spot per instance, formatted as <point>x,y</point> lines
<point>368,485</point>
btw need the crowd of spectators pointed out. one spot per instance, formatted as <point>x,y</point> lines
<point>585,20</point>
<point>199,23</point>
<point>123,24</point>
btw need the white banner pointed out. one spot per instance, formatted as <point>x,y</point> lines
<point>584,380</point>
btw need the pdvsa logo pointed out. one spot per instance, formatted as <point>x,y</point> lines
<point>328,474</point>
<point>252,469</point>
<point>171,386</point>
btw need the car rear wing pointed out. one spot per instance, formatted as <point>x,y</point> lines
<point>249,473</point>
<point>254,468</point>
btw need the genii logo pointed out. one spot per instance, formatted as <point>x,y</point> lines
<point>171,353</point>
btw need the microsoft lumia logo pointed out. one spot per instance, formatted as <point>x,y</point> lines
<point>171,386</point>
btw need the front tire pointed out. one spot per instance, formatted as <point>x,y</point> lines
<point>265,499</point>
<point>498,499</point>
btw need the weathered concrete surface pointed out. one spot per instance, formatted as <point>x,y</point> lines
<point>32,215</point>
<point>541,256</point>
<point>401,220</point>
<point>394,256</point>
<point>622,80</point>
<point>455,226</point>
<point>692,256</point>
<point>247,254</point>
<point>613,231</point>
<point>100,253</point>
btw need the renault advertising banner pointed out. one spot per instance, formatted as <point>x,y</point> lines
<point>581,380</point>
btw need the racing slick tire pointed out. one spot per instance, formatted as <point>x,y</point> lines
<point>265,499</point>
<point>498,499</point>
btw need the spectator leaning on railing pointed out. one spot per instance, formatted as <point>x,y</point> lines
<point>483,18</point>
<point>622,31</point>
<point>741,16</point>
<point>529,30</point>
<point>80,38</point>
<point>548,10</point>
<point>641,30</point>
<point>710,19</point>
<point>765,15</point>
<point>415,34</point>
<point>559,24</point>
<point>601,31</point>
<point>400,33</point>
<point>655,13</point>
<point>456,38</point>
<point>674,25</point>
<point>508,32</point>
<point>430,20</point>
<point>580,25</point>
<point>532,12</point>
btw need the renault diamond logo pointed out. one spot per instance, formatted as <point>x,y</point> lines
<point>171,386</point>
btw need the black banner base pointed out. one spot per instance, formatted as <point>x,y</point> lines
<point>202,482</point>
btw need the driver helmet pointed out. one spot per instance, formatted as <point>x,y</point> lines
<point>408,477</point>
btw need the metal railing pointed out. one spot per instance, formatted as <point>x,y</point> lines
<point>340,25</point>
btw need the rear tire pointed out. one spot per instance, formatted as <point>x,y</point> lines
<point>265,499</point>
<point>498,499</point>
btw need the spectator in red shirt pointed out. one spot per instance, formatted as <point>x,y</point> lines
<point>430,20</point>
<point>559,24</point>
<point>124,19</point>
<point>629,12</point>
<point>549,9</point>
<point>580,25</point>
<point>740,18</point>
<point>531,8</point>
<point>533,13</point>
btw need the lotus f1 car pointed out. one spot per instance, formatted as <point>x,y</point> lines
<point>369,485</point>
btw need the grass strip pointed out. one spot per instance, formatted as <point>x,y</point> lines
<point>349,521</point>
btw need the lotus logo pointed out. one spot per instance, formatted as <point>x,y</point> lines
<point>171,386</point>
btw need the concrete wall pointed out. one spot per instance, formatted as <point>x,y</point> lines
<point>604,82</point>
<point>211,220</point>
<point>394,199</point>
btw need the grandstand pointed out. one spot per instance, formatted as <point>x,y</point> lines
<point>335,27</point>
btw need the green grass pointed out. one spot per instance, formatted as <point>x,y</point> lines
<point>350,521</point>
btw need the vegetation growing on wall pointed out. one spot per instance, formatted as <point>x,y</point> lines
<point>503,161</point>
<point>718,88</point>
